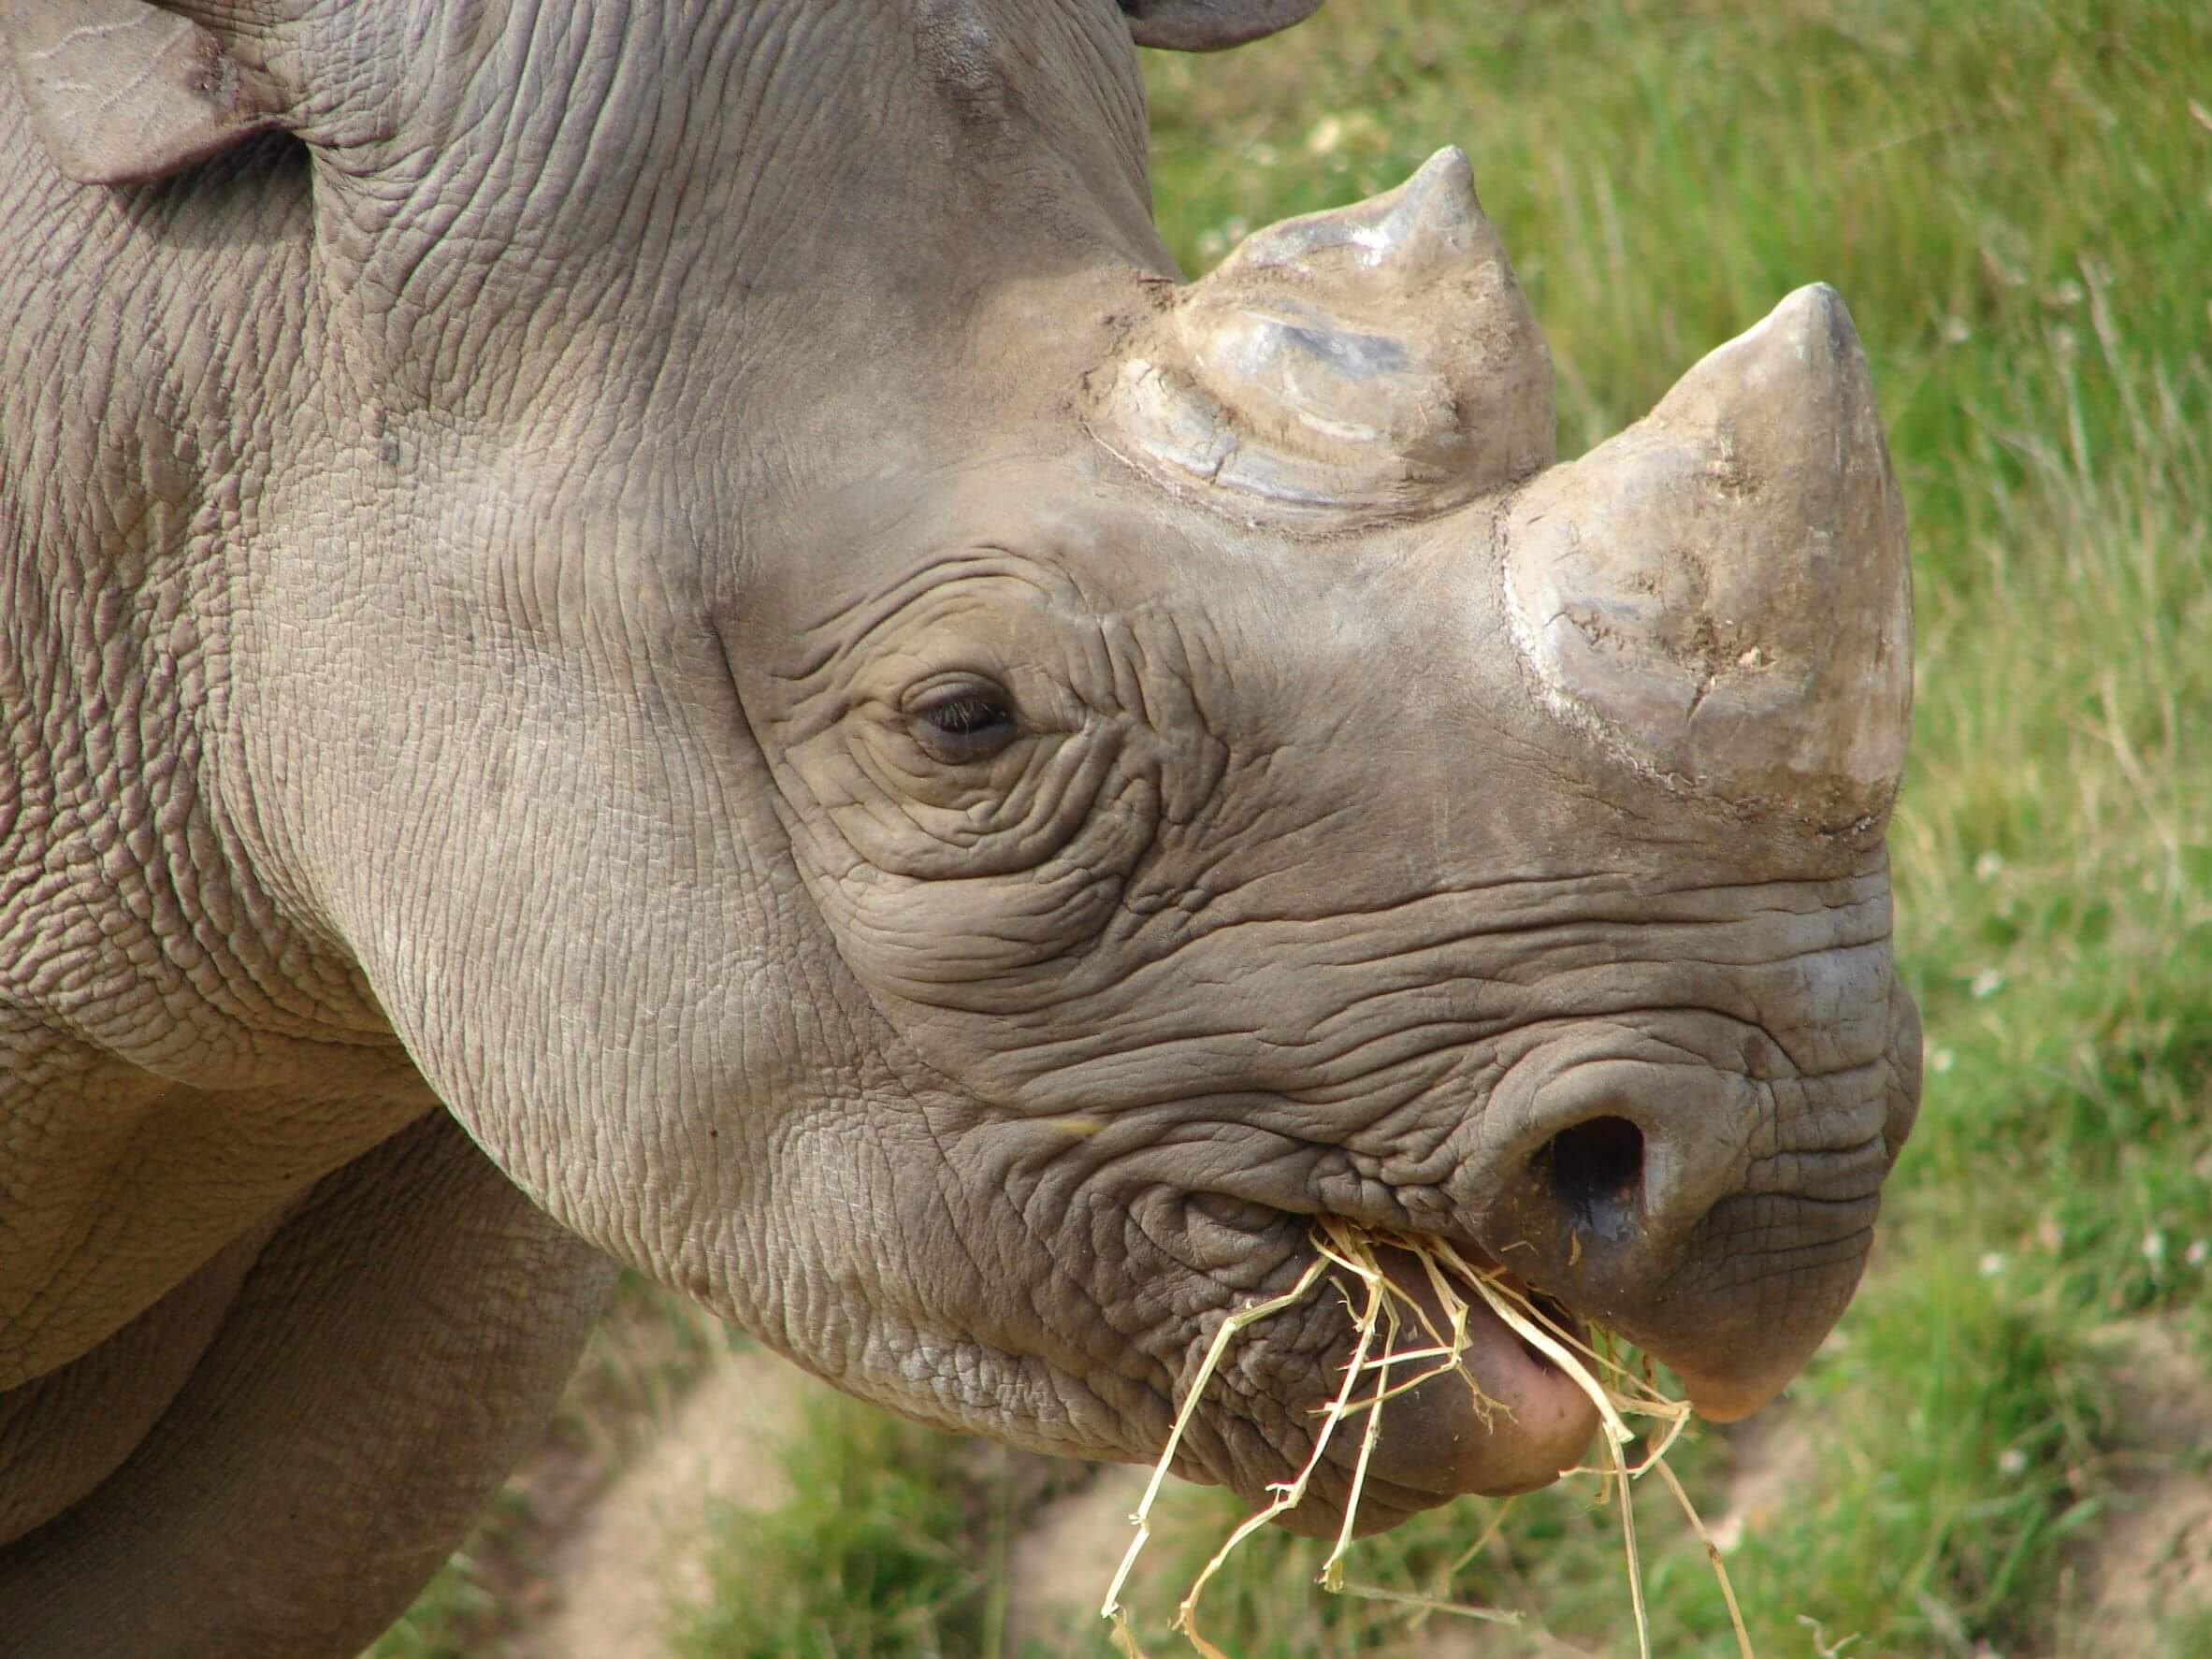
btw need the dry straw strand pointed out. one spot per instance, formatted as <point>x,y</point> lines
<point>1231,1326</point>
<point>1615,1389</point>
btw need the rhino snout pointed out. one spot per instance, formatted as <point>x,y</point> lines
<point>1657,1198</point>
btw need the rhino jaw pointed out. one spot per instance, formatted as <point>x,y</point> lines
<point>1720,594</point>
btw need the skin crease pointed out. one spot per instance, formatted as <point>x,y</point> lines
<point>476,572</point>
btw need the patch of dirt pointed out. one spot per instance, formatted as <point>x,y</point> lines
<point>613,1548</point>
<point>607,1583</point>
<point>1773,1455</point>
<point>1064,1557</point>
<point>2152,1560</point>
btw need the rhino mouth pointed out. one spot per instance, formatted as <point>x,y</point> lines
<point>1505,1419</point>
<point>1532,1423</point>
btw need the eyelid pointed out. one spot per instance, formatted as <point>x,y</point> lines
<point>956,682</point>
<point>983,740</point>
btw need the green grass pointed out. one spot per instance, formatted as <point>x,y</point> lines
<point>1947,1453</point>
<point>877,1554</point>
<point>453,1606</point>
<point>2015,200</point>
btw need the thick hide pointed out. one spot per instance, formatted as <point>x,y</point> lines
<point>662,632</point>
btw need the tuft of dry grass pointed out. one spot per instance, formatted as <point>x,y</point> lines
<point>1618,1386</point>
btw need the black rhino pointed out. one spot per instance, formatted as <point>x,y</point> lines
<point>658,633</point>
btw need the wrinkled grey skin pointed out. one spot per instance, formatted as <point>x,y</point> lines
<point>479,566</point>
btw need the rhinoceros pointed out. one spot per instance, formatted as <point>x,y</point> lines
<point>662,635</point>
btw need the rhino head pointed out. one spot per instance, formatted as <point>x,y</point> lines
<point>1289,794</point>
<point>916,777</point>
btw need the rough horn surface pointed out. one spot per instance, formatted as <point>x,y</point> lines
<point>1371,361</point>
<point>1721,592</point>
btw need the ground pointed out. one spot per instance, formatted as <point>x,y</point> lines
<point>607,1577</point>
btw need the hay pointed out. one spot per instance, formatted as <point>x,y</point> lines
<point>1616,1389</point>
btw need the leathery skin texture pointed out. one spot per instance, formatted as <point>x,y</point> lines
<point>663,635</point>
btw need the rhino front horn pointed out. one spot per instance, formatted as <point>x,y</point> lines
<point>1721,592</point>
<point>1371,362</point>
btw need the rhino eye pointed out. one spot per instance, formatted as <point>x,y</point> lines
<point>966,720</point>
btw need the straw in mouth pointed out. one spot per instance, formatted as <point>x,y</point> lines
<point>1382,1307</point>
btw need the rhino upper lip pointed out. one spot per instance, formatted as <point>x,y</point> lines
<point>1551,1309</point>
<point>1438,1441</point>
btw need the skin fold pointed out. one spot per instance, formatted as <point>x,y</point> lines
<point>660,636</point>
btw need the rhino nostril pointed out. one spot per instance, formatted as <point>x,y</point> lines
<point>1596,1172</point>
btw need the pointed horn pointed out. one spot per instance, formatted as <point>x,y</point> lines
<point>1370,362</point>
<point>1722,592</point>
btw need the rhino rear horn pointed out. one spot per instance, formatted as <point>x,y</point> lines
<point>1721,592</point>
<point>1371,361</point>
<point>119,91</point>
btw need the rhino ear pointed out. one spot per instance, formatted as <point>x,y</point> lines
<point>120,90</point>
<point>1208,25</point>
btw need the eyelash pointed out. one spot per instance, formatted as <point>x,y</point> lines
<point>963,722</point>
<point>970,712</point>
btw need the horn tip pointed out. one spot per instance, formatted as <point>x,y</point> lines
<point>1818,313</point>
<point>1442,188</point>
<point>1806,346</point>
<point>1449,165</point>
